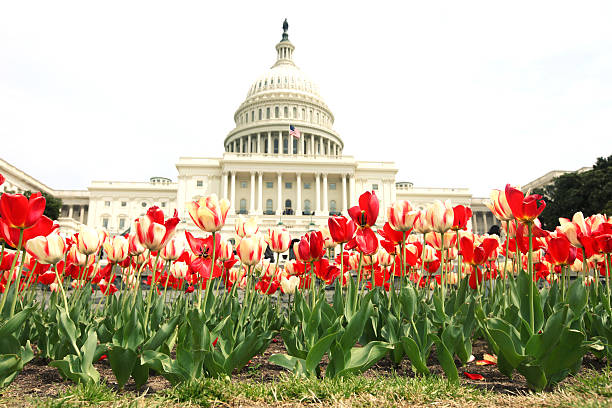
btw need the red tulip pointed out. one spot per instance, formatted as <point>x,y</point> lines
<point>366,213</point>
<point>2,179</point>
<point>524,209</point>
<point>341,229</point>
<point>152,231</point>
<point>391,234</point>
<point>462,214</point>
<point>604,243</point>
<point>475,278</point>
<point>561,251</point>
<point>20,212</point>
<point>477,255</point>
<point>43,227</point>
<point>310,248</point>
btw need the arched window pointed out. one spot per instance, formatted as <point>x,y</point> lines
<point>294,112</point>
<point>266,146</point>
<point>269,204</point>
<point>285,145</point>
<point>307,206</point>
<point>295,145</point>
<point>332,206</point>
<point>275,145</point>
<point>287,204</point>
<point>260,114</point>
<point>243,206</point>
<point>276,112</point>
<point>286,112</point>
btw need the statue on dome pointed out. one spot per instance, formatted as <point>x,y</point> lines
<point>285,28</point>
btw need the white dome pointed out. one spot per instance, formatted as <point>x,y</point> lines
<point>284,77</point>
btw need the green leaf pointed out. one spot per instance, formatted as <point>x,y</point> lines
<point>536,379</point>
<point>445,359</point>
<point>408,302</point>
<point>122,363</point>
<point>355,326</point>
<point>506,348</point>
<point>15,322</point>
<point>293,364</point>
<point>318,350</point>
<point>362,358</point>
<point>412,351</point>
<point>577,297</point>
<point>164,332</point>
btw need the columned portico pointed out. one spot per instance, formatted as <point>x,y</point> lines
<point>343,205</point>
<point>252,198</point>
<point>325,202</point>
<point>279,196</point>
<point>233,193</point>
<point>298,186</point>
<point>260,193</point>
<point>318,194</point>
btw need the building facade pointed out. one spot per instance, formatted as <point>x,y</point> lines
<point>265,171</point>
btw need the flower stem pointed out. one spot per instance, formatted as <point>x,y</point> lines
<point>531,281</point>
<point>17,278</point>
<point>10,279</point>
<point>442,280</point>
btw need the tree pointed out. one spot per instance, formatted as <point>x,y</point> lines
<point>589,192</point>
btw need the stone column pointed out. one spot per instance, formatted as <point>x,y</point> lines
<point>317,195</point>
<point>248,149</point>
<point>269,143</point>
<point>259,143</point>
<point>233,194</point>
<point>343,205</point>
<point>321,149</point>
<point>260,193</point>
<point>279,193</point>
<point>280,143</point>
<point>298,205</point>
<point>252,199</point>
<point>224,195</point>
<point>70,211</point>
<point>486,224</point>
<point>325,201</point>
<point>474,222</point>
<point>328,148</point>
<point>81,213</point>
<point>239,143</point>
<point>351,197</point>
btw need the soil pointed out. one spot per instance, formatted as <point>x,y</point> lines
<point>38,379</point>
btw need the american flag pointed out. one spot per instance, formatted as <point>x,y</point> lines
<point>294,132</point>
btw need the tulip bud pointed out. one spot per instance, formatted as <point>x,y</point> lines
<point>209,213</point>
<point>289,285</point>
<point>440,216</point>
<point>47,250</point>
<point>278,239</point>
<point>179,270</point>
<point>116,248</point>
<point>246,227</point>
<point>402,216</point>
<point>88,240</point>
<point>251,249</point>
<point>226,251</point>
<point>173,250</point>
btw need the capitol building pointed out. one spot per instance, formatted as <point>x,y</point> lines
<point>265,171</point>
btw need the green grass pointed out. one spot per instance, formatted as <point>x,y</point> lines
<point>79,395</point>
<point>386,390</point>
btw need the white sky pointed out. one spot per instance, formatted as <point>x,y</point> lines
<point>457,93</point>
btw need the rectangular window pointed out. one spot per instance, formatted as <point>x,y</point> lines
<point>243,184</point>
<point>163,204</point>
<point>105,222</point>
<point>267,113</point>
<point>124,203</point>
<point>306,186</point>
<point>332,186</point>
<point>252,116</point>
<point>121,223</point>
<point>288,185</point>
<point>374,186</point>
<point>199,183</point>
<point>269,184</point>
<point>260,115</point>
<point>107,203</point>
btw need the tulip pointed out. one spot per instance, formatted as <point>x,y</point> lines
<point>461,216</point>
<point>173,250</point>
<point>278,239</point>
<point>560,251</point>
<point>328,241</point>
<point>604,243</point>
<point>421,225</point>
<point>310,248</point>
<point>402,216</point>
<point>209,213</point>
<point>524,209</point>
<point>135,248</point>
<point>477,254</point>
<point>152,231</point>
<point>246,227</point>
<point>366,213</point>
<point>43,227</point>
<point>290,284</point>
<point>429,254</point>
<point>116,248</point>
<point>226,250</point>
<point>251,248</point>
<point>433,239</point>
<point>341,228</point>
<point>179,270</point>
<point>440,216</point>
<point>2,179</point>
<point>6,260</point>
<point>88,240</point>
<point>499,206</point>
<point>47,250</point>
<point>18,211</point>
<point>384,258</point>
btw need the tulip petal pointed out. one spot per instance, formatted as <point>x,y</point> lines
<point>471,376</point>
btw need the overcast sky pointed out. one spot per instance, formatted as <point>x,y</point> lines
<point>457,93</point>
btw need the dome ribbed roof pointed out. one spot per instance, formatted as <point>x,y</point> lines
<point>281,77</point>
